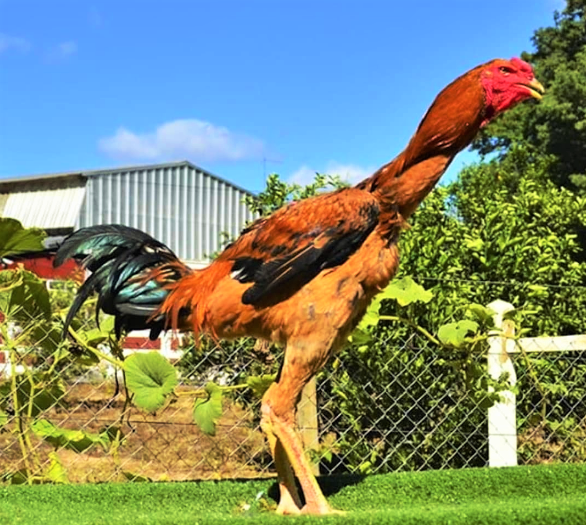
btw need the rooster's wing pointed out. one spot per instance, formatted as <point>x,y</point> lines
<point>299,241</point>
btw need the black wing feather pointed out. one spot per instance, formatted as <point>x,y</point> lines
<point>330,247</point>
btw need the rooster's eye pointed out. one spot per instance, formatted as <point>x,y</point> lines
<point>505,71</point>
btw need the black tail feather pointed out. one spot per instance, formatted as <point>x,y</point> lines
<point>121,260</point>
<point>85,290</point>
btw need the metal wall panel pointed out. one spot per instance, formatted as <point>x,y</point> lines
<point>45,205</point>
<point>178,204</point>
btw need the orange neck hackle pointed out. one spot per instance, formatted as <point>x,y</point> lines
<point>449,125</point>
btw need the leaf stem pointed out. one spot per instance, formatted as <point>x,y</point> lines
<point>17,410</point>
<point>534,379</point>
<point>112,360</point>
<point>201,392</point>
<point>420,329</point>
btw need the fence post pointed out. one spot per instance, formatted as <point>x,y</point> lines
<point>502,418</point>
<point>307,419</point>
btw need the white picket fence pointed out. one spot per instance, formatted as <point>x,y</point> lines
<point>502,416</point>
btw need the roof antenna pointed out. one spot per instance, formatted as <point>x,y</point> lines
<point>264,166</point>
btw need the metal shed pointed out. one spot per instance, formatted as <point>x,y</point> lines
<point>178,203</point>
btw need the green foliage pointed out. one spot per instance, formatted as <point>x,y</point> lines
<point>406,291</point>
<point>35,392</point>
<point>278,192</point>
<point>557,125</point>
<point>40,360</point>
<point>206,412</point>
<point>505,231</point>
<point>260,384</point>
<point>23,296</point>
<point>56,472</point>
<point>15,239</point>
<point>150,378</point>
<point>457,334</point>
<point>77,440</point>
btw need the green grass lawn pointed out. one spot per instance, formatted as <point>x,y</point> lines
<point>532,495</point>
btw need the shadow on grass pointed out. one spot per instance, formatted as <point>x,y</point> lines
<point>329,485</point>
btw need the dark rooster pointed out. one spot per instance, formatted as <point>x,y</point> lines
<point>302,277</point>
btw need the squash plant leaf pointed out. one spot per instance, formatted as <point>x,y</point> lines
<point>260,384</point>
<point>151,378</point>
<point>77,440</point>
<point>46,394</point>
<point>56,472</point>
<point>481,313</point>
<point>406,291</point>
<point>206,412</point>
<point>15,239</point>
<point>24,297</point>
<point>454,334</point>
<point>135,478</point>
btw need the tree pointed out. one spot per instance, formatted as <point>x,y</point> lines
<point>279,192</point>
<point>503,230</point>
<point>557,125</point>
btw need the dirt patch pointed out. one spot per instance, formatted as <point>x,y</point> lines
<point>162,446</point>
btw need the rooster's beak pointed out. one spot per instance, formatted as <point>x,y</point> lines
<point>535,88</point>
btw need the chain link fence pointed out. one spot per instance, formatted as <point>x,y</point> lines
<point>397,403</point>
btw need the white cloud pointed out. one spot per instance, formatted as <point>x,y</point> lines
<point>66,49</point>
<point>178,139</point>
<point>13,42</point>
<point>61,51</point>
<point>349,172</point>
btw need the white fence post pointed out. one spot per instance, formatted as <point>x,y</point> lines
<point>502,418</point>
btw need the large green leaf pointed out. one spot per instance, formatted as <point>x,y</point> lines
<point>455,334</point>
<point>151,378</point>
<point>370,318</point>
<point>95,336</point>
<point>206,412</point>
<point>48,391</point>
<point>15,239</point>
<point>77,440</point>
<point>24,297</point>
<point>260,384</point>
<point>360,337</point>
<point>46,335</point>
<point>406,291</point>
<point>56,472</point>
<point>481,313</point>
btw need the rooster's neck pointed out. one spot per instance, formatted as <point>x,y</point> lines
<point>450,125</point>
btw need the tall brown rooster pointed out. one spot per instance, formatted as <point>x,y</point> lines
<point>302,277</point>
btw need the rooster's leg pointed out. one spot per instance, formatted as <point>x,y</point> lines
<point>289,502</point>
<point>278,420</point>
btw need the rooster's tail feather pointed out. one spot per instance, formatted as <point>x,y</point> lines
<point>132,274</point>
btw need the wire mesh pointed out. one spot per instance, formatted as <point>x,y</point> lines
<point>395,404</point>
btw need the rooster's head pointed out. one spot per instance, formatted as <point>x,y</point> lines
<point>506,83</point>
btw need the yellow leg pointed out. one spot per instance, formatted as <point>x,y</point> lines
<point>289,501</point>
<point>278,414</point>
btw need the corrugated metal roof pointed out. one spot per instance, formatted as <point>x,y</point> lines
<point>89,173</point>
<point>179,204</point>
<point>50,208</point>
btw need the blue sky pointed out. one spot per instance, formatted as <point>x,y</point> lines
<point>308,85</point>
